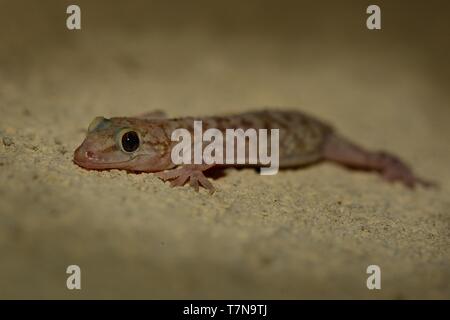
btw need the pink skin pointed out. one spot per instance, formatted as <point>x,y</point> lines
<point>336,149</point>
<point>192,173</point>
<point>390,167</point>
<point>102,149</point>
<point>89,156</point>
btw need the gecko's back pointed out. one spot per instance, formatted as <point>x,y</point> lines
<point>301,137</point>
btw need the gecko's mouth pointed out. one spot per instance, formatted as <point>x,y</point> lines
<point>88,160</point>
<point>100,165</point>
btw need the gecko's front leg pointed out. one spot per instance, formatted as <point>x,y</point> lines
<point>192,172</point>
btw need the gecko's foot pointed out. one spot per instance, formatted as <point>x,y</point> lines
<point>390,167</point>
<point>178,177</point>
<point>393,169</point>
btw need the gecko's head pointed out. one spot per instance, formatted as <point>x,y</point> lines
<point>119,143</point>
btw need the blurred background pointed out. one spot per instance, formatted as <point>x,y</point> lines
<point>282,238</point>
<point>289,52</point>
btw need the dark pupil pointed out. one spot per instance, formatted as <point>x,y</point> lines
<point>130,141</point>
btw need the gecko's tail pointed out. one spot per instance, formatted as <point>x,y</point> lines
<point>390,167</point>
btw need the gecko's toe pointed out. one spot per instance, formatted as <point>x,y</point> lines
<point>427,183</point>
<point>194,184</point>
<point>168,175</point>
<point>402,174</point>
<point>180,176</point>
<point>205,183</point>
<point>395,175</point>
<point>180,181</point>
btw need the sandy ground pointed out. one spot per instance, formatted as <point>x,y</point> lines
<point>307,233</point>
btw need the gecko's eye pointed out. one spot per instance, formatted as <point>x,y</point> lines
<point>128,140</point>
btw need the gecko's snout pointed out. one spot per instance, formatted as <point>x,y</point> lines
<point>89,156</point>
<point>83,156</point>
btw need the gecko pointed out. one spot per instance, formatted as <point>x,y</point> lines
<point>143,144</point>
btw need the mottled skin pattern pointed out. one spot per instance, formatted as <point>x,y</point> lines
<point>303,140</point>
